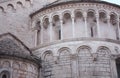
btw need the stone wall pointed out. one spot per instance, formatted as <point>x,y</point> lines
<point>79,59</point>
<point>14,18</point>
<point>19,68</point>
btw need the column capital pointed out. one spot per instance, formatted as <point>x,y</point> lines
<point>61,20</point>
<point>61,16</point>
<point>85,14</point>
<point>108,17</point>
<point>50,20</point>
<point>114,57</point>
<point>97,15</point>
<point>73,15</point>
<point>118,19</point>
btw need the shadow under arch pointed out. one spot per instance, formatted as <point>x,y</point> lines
<point>66,12</point>
<point>45,53</point>
<point>91,10</point>
<point>82,47</point>
<point>117,61</point>
<point>104,48</point>
<point>64,48</point>
<point>5,74</point>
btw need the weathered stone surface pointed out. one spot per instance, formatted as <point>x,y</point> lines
<point>73,38</point>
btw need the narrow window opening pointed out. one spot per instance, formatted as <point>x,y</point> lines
<point>92,34</point>
<point>38,37</point>
<point>4,76</point>
<point>59,34</point>
<point>117,35</point>
<point>118,67</point>
<point>38,28</point>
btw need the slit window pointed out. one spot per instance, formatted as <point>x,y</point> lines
<point>117,34</point>
<point>118,67</point>
<point>4,76</point>
<point>59,34</point>
<point>92,34</point>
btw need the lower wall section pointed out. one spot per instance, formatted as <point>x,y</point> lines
<point>18,69</point>
<point>80,59</point>
<point>85,63</point>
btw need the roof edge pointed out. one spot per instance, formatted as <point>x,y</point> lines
<point>9,34</point>
<point>68,2</point>
<point>32,58</point>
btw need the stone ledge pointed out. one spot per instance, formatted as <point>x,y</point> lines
<point>76,39</point>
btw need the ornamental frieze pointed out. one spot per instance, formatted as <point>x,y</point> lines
<point>86,6</point>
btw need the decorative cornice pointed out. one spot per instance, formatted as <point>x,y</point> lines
<point>2,1</point>
<point>83,3</point>
<point>75,6</point>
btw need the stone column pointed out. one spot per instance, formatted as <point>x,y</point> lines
<point>73,24</point>
<point>108,21</point>
<point>118,20</point>
<point>85,19</point>
<point>98,25</point>
<point>36,29</point>
<point>51,29</point>
<point>113,67</point>
<point>36,37</point>
<point>74,66</point>
<point>61,26</point>
<point>41,24</point>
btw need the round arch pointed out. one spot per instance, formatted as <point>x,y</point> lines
<point>83,46</point>
<point>64,48</point>
<point>54,14</point>
<point>104,48</point>
<point>102,11</point>
<point>91,10</point>
<point>66,12</point>
<point>5,74</point>
<point>79,12</point>
<point>45,53</point>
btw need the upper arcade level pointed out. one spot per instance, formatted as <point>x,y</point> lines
<point>76,19</point>
<point>12,5</point>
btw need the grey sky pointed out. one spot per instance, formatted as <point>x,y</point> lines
<point>113,1</point>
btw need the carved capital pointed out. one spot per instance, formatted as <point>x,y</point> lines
<point>85,14</point>
<point>113,57</point>
<point>95,55</point>
<point>73,56</point>
<point>108,17</point>
<point>97,15</point>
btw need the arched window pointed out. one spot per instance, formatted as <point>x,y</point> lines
<point>103,24</point>
<point>38,28</point>
<point>92,28</point>
<point>113,23</point>
<point>56,28</point>
<point>46,30</point>
<point>4,74</point>
<point>67,26</point>
<point>79,24</point>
